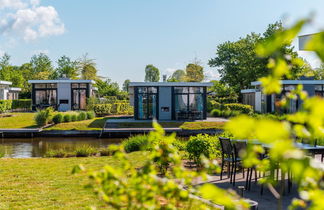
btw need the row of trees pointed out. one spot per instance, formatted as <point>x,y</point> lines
<point>238,63</point>
<point>40,67</point>
<point>193,73</point>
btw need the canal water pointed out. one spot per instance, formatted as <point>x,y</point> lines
<point>37,147</point>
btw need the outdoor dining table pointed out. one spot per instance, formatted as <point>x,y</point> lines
<point>309,148</point>
<point>313,149</point>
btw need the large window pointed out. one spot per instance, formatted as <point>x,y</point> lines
<point>319,91</point>
<point>79,96</point>
<point>189,103</point>
<point>45,94</point>
<point>146,103</point>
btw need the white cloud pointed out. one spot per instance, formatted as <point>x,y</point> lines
<point>36,52</point>
<point>12,4</point>
<point>31,22</point>
<point>211,74</point>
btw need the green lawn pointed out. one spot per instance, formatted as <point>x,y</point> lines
<point>94,124</point>
<point>26,120</point>
<point>48,183</point>
<point>183,125</point>
<point>18,120</point>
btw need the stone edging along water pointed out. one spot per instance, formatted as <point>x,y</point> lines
<point>105,133</point>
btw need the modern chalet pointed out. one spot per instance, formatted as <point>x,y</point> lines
<point>7,92</point>
<point>62,94</point>
<point>267,103</point>
<point>183,101</point>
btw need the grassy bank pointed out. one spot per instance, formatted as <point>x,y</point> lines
<point>26,120</point>
<point>17,120</point>
<point>94,124</point>
<point>49,184</point>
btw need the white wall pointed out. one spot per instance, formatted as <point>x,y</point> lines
<point>258,101</point>
<point>165,100</point>
<point>64,93</point>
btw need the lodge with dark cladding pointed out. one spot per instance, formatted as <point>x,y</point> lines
<point>183,101</point>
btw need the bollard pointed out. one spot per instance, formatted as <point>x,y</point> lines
<point>241,190</point>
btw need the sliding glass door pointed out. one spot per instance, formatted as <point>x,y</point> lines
<point>79,96</point>
<point>146,103</point>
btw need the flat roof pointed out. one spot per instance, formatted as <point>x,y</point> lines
<point>14,89</point>
<point>296,82</point>
<point>61,81</point>
<point>248,91</point>
<point>5,83</point>
<point>170,84</point>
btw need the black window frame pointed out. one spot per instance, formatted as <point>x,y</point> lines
<point>188,93</point>
<point>137,93</point>
<point>48,87</point>
<point>79,88</point>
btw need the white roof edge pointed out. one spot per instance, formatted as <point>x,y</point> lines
<point>170,84</point>
<point>5,82</point>
<point>61,81</point>
<point>295,82</point>
<point>248,91</point>
<point>15,89</point>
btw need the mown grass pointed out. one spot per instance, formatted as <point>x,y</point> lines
<point>202,125</point>
<point>94,124</point>
<point>18,120</point>
<point>26,120</point>
<point>44,183</point>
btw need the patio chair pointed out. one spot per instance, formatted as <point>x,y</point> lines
<point>227,152</point>
<point>238,146</point>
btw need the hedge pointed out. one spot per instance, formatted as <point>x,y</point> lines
<point>22,104</point>
<point>243,108</point>
<point>7,105</point>
<point>114,108</point>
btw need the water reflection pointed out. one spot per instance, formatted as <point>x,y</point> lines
<point>37,147</point>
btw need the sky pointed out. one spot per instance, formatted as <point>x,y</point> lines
<point>123,36</point>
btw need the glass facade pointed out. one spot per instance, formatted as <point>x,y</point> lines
<point>79,96</point>
<point>147,102</point>
<point>189,103</point>
<point>45,94</point>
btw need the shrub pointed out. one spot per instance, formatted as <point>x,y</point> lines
<point>67,118</point>
<point>212,104</point>
<point>85,151</point>
<point>56,154</point>
<point>91,115</point>
<point>74,117</point>
<point>243,108</point>
<point>105,152</point>
<point>82,116</point>
<point>5,105</point>
<point>58,118</point>
<point>43,117</point>
<point>202,144</point>
<point>180,144</point>
<point>136,143</point>
<point>216,113</point>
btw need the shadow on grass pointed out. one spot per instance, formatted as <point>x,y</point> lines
<point>98,123</point>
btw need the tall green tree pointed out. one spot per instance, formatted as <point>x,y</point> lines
<point>178,76</point>
<point>239,65</point>
<point>319,72</point>
<point>10,73</point>
<point>66,68</point>
<point>41,67</point>
<point>194,73</point>
<point>126,85</point>
<point>107,87</point>
<point>87,68</point>
<point>152,74</point>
